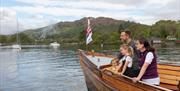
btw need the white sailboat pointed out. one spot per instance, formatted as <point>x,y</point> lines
<point>54,44</point>
<point>17,45</point>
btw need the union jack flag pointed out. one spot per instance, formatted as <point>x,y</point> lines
<point>88,33</point>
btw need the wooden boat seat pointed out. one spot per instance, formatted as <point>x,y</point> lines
<point>169,76</point>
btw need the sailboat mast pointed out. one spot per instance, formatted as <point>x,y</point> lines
<point>17,34</point>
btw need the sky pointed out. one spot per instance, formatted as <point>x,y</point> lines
<point>32,14</point>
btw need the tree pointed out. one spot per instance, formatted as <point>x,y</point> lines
<point>3,39</point>
<point>25,39</point>
<point>82,36</point>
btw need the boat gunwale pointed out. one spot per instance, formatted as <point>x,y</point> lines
<point>120,77</point>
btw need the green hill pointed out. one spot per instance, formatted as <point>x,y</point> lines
<point>105,30</point>
<point>65,32</point>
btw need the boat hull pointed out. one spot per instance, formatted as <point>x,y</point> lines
<point>98,80</point>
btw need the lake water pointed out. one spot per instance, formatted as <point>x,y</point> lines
<point>48,69</point>
<point>40,70</point>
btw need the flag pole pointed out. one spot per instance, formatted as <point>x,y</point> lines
<point>86,47</point>
<point>87,33</point>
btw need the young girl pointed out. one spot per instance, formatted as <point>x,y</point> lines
<point>127,70</point>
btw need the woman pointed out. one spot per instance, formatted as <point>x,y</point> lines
<point>147,63</point>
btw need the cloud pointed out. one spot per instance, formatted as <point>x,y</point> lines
<point>37,21</point>
<point>39,13</point>
<point>55,11</point>
<point>8,22</point>
<point>169,10</point>
<point>39,2</point>
<point>72,12</point>
<point>129,8</point>
<point>91,2</point>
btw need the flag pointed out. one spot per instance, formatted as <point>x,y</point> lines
<point>88,33</point>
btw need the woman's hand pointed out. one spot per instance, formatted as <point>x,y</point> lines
<point>141,73</point>
<point>135,79</point>
<point>121,73</point>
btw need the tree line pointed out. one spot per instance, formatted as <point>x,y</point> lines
<point>102,34</point>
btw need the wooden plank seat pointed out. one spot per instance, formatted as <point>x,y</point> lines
<point>169,76</point>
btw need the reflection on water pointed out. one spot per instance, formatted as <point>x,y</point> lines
<point>40,70</point>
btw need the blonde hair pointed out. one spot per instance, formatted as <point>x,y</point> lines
<point>128,48</point>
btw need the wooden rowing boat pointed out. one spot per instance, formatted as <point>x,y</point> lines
<point>98,79</point>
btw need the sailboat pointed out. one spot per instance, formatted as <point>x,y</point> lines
<point>54,44</point>
<point>17,45</point>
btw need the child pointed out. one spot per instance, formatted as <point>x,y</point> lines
<point>126,61</point>
<point>114,63</point>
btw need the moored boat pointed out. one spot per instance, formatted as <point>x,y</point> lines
<point>16,46</point>
<point>99,79</point>
<point>54,44</point>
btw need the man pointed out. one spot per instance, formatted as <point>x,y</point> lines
<point>125,36</point>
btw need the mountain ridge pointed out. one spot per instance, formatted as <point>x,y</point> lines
<point>105,30</point>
